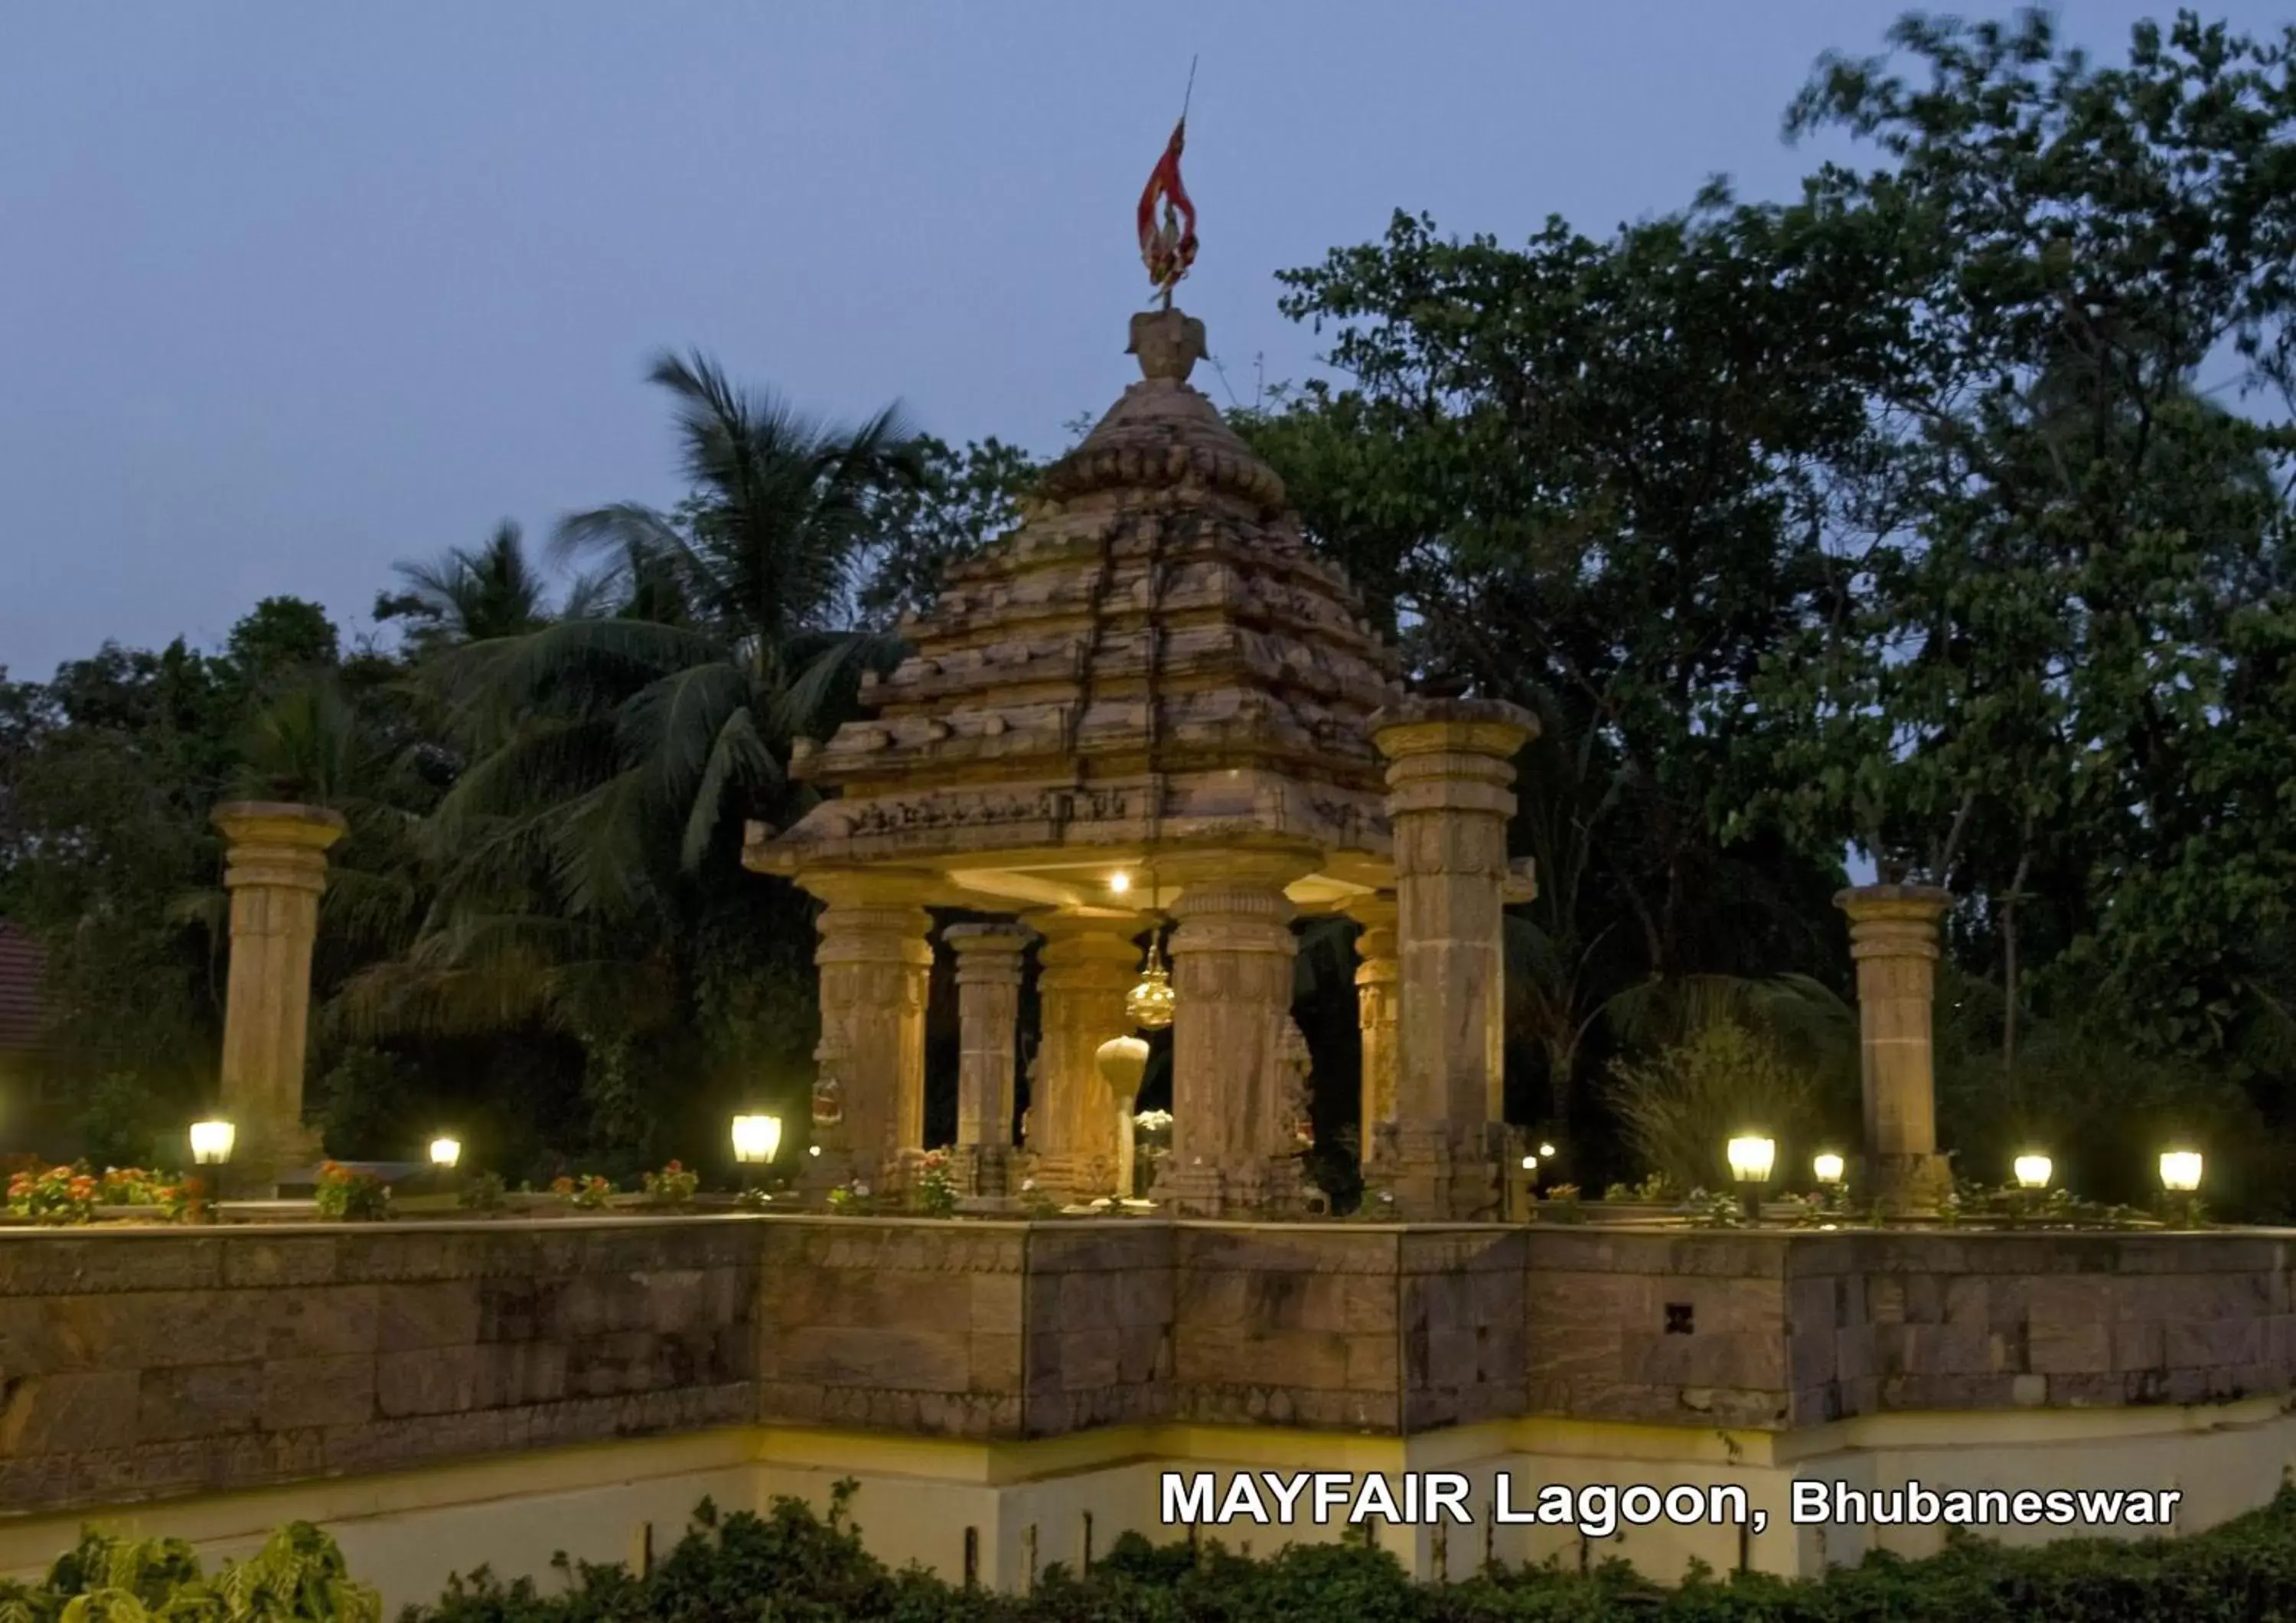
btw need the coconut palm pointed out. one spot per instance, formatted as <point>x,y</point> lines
<point>623,750</point>
<point>470,593</point>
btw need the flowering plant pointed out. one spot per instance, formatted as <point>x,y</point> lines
<point>673,1185</point>
<point>849,1198</point>
<point>347,1195</point>
<point>60,1194</point>
<point>936,1190</point>
<point>171,1193</point>
<point>589,1193</point>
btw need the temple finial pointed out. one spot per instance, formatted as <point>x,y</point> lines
<point>1168,244</point>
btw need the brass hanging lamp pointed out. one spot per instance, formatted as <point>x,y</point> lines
<point>1149,1004</point>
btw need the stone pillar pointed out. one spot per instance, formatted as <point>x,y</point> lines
<point>1233,1149</point>
<point>1449,777</point>
<point>876,963</point>
<point>1893,936</point>
<point>988,962</point>
<point>1377,1010</point>
<point>276,868</point>
<point>1087,963</point>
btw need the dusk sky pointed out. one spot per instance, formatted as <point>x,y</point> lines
<point>292,291</point>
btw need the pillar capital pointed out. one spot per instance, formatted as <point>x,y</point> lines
<point>276,843</point>
<point>989,954</point>
<point>1418,726</point>
<point>869,887</point>
<point>1088,950</point>
<point>1894,920</point>
<point>1374,910</point>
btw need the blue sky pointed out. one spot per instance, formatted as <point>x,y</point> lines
<point>292,291</point>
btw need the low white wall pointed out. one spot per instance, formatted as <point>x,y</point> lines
<point>1028,1506</point>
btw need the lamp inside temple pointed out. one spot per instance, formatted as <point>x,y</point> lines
<point>1149,1004</point>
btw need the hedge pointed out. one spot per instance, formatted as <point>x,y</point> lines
<point>793,1566</point>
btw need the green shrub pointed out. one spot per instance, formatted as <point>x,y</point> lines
<point>297,1577</point>
<point>791,1565</point>
<point>346,1194</point>
<point>1681,1106</point>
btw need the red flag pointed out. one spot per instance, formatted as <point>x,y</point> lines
<point>1168,246</point>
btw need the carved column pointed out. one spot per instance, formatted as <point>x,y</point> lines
<point>1085,967</point>
<point>1893,936</point>
<point>1233,1149</point>
<point>988,962</point>
<point>276,870</point>
<point>1449,777</point>
<point>877,971</point>
<point>1377,1010</point>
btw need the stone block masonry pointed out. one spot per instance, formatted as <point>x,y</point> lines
<point>162,1365</point>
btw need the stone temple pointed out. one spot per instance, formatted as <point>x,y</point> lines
<point>1154,701</point>
<point>1149,706</point>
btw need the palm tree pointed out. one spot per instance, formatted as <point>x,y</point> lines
<point>625,749</point>
<point>470,594</point>
<point>583,869</point>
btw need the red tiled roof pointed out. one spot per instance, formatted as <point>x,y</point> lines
<point>20,963</point>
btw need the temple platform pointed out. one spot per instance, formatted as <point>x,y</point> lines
<point>1010,1394</point>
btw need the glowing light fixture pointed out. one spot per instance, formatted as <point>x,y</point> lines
<point>758,1138</point>
<point>1119,883</point>
<point>1547,1151</point>
<point>1752,1158</point>
<point>1530,1163</point>
<point>211,1142</point>
<point>1828,1167</point>
<point>2180,1171</point>
<point>445,1153</point>
<point>1149,1005</point>
<point>2032,1171</point>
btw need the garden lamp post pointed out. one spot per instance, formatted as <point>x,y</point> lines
<point>211,1142</point>
<point>2180,1177</point>
<point>756,1139</point>
<point>446,1156</point>
<point>2032,1172</point>
<point>1828,1168</point>
<point>1752,1157</point>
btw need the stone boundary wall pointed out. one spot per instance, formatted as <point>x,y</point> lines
<point>139,1364</point>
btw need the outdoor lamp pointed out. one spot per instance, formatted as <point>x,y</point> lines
<point>757,1139</point>
<point>2032,1171</point>
<point>1530,1163</point>
<point>1751,1159</point>
<point>1828,1167</point>
<point>1546,1152</point>
<point>211,1142</point>
<point>1119,883</point>
<point>2180,1171</point>
<point>445,1153</point>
